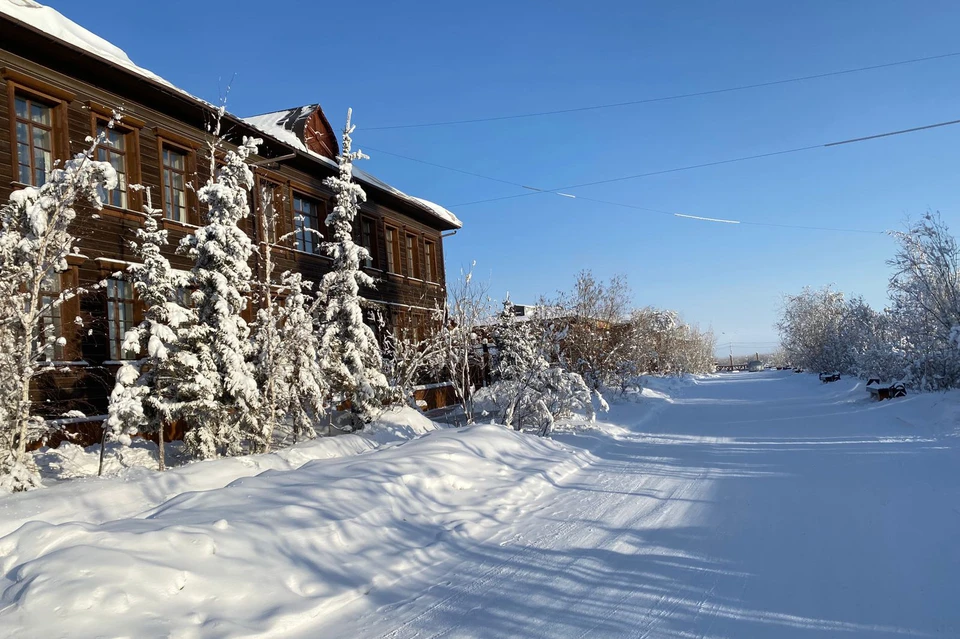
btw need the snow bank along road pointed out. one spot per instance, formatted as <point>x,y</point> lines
<point>743,505</point>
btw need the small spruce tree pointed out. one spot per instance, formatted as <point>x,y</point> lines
<point>351,358</point>
<point>214,391</point>
<point>139,401</point>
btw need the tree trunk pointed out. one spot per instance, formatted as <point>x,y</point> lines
<point>162,463</point>
<point>103,445</point>
<point>23,416</point>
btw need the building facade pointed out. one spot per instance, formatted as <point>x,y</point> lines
<point>59,84</point>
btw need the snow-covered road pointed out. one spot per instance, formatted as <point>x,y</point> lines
<point>751,505</point>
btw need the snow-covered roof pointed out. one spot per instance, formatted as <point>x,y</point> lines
<point>53,23</point>
<point>289,125</point>
<point>279,125</point>
<point>282,126</point>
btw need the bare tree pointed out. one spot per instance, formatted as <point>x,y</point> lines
<point>598,335</point>
<point>409,358</point>
<point>468,309</point>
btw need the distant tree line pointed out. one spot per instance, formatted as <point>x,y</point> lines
<point>915,339</point>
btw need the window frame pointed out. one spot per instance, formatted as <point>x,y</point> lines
<point>283,217</point>
<point>368,223</point>
<point>167,146</point>
<point>131,154</point>
<point>411,255</point>
<point>31,127</point>
<point>52,316</point>
<point>116,327</point>
<point>394,255</point>
<point>430,261</point>
<point>189,148</point>
<point>298,228</point>
<point>36,89</point>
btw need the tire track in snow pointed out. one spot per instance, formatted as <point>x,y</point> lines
<point>610,478</point>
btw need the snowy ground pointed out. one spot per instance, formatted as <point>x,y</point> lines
<point>742,505</point>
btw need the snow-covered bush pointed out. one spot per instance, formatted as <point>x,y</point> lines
<point>925,294</point>
<point>611,346</point>
<point>35,240</point>
<point>350,355</point>
<point>913,340</point>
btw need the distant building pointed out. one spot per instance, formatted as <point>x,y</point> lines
<point>755,366</point>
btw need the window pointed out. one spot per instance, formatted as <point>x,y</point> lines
<point>393,250</point>
<point>114,150</point>
<point>307,214</point>
<point>174,183</point>
<point>34,123</point>
<point>272,199</point>
<point>430,257</point>
<point>413,261</point>
<point>48,342</point>
<point>366,240</point>
<point>119,317</point>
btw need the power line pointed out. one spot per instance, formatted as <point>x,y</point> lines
<point>629,206</point>
<point>532,190</point>
<point>447,168</point>
<point>635,176</point>
<point>667,98</point>
<point>633,206</point>
<point>745,158</point>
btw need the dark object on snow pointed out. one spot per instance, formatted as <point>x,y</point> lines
<point>829,377</point>
<point>881,391</point>
<point>798,370</point>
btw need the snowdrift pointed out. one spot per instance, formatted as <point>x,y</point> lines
<point>266,554</point>
<point>126,492</point>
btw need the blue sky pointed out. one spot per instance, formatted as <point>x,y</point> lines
<point>407,63</point>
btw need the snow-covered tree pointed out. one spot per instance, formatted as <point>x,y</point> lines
<point>285,344</point>
<point>925,292</point>
<point>598,335</point>
<point>531,388</point>
<point>35,240</point>
<point>811,329</point>
<point>287,363</point>
<point>214,391</point>
<point>408,358</point>
<point>468,308</point>
<point>350,355</point>
<point>140,401</point>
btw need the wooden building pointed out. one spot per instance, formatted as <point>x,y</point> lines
<point>59,84</point>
